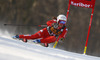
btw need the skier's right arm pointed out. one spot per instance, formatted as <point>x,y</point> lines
<point>50,23</point>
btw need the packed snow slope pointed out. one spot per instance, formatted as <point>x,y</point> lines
<point>11,49</point>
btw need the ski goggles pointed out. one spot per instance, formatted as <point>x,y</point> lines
<point>62,22</point>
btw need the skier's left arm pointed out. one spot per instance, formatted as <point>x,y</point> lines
<point>63,34</point>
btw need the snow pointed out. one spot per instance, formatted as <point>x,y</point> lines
<point>11,49</point>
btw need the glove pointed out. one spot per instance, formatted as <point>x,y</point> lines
<point>55,25</point>
<point>55,18</point>
<point>15,36</point>
<point>62,39</point>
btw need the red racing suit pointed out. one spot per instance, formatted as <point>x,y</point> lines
<point>46,35</point>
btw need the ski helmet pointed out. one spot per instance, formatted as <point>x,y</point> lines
<point>62,18</point>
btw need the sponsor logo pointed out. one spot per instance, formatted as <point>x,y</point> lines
<point>81,4</point>
<point>27,35</point>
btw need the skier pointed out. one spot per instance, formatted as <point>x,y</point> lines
<point>55,28</point>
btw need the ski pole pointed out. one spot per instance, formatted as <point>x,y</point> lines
<point>56,43</point>
<point>42,25</point>
<point>24,25</point>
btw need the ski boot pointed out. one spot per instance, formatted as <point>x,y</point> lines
<point>37,41</point>
<point>17,37</point>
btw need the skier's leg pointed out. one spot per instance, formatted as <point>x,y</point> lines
<point>49,39</point>
<point>40,34</point>
<point>34,36</point>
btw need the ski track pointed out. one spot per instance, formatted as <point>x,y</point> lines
<point>15,49</point>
